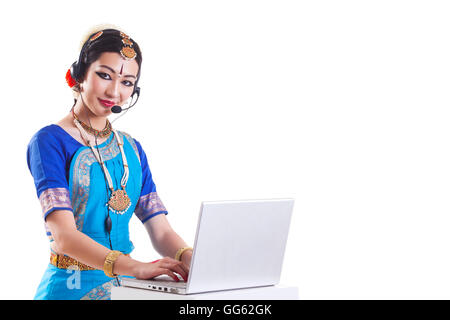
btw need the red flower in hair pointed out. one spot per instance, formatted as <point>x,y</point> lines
<point>70,81</point>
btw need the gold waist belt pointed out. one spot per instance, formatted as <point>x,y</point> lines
<point>66,262</point>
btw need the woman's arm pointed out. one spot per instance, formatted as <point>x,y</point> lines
<point>165,240</point>
<point>71,242</point>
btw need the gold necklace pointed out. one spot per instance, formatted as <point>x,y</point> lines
<point>99,133</point>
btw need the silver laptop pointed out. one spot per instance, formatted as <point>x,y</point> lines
<point>238,244</point>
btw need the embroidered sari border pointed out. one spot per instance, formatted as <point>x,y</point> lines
<point>152,215</point>
<point>57,208</point>
<point>55,199</point>
<point>80,176</point>
<point>149,206</point>
<point>132,143</point>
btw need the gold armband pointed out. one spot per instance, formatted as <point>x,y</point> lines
<point>109,263</point>
<point>180,252</point>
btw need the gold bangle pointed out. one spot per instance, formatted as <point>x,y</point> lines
<point>109,263</point>
<point>180,252</point>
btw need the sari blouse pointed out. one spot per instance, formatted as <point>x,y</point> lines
<point>67,176</point>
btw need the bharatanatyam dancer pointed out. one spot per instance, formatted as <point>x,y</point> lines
<point>91,178</point>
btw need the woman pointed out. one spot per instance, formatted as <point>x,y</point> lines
<point>90,179</point>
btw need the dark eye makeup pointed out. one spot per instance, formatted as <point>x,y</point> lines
<point>103,75</point>
<point>107,77</point>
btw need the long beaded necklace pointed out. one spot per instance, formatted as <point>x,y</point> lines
<point>119,201</point>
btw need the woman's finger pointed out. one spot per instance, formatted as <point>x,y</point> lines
<point>185,267</point>
<point>178,269</point>
<point>175,266</point>
<point>170,274</point>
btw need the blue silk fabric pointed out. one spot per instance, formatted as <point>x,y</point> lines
<point>67,176</point>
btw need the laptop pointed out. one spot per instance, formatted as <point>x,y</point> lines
<point>238,244</point>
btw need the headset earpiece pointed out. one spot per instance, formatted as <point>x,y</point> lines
<point>137,90</point>
<point>75,71</point>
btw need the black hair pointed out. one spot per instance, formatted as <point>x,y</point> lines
<point>109,41</point>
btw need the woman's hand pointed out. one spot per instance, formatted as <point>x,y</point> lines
<point>166,265</point>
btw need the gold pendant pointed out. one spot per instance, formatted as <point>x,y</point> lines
<point>119,202</point>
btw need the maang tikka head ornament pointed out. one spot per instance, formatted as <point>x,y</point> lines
<point>127,50</point>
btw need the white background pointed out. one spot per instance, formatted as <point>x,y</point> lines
<point>342,105</point>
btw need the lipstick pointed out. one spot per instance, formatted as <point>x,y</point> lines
<point>106,103</point>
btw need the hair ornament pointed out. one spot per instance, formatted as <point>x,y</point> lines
<point>127,42</point>
<point>96,36</point>
<point>127,50</point>
<point>70,81</point>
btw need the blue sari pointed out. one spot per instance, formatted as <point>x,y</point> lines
<point>67,176</point>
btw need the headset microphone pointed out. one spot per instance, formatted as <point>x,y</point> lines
<point>118,109</point>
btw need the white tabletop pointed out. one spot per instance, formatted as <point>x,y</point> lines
<point>277,292</point>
